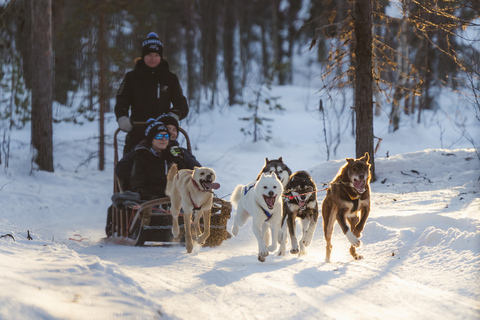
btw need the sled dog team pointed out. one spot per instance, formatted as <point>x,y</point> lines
<point>274,201</point>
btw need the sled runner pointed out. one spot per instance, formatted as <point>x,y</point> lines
<point>151,221</point>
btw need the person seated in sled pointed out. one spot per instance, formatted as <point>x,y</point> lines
<point>146,166</point>
<point>153,158</point>
<point>123,168</point>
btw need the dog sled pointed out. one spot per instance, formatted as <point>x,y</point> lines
<point>151,221</point>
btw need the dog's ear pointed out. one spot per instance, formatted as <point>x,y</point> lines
<point>365,158</point>
<point>266,160</point>
<point>350,160</point>
<point>280,159</point>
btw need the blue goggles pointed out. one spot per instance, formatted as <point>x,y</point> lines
<point>160,136</point>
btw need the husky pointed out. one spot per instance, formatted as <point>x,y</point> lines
<point>279,167</point>
<point>262,200</point>
<point>300,201</point>
<point>192,191</point>
<point>348,200</point>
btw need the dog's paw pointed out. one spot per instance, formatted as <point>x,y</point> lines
<point>262,253</point>
<point>281,252</point>
<point>201,240</point>
<point>303,249</point>
<point>354,241</point>
<point>294,249</point>
<point>235,230</point>
<point>175,232</point>
<point>358,257</point>
<point>262,256</point>
<point>327,260</point>
<point>357,233</point>
<point>306,243</point>
<point>307,239</point>
<point>302,253</point>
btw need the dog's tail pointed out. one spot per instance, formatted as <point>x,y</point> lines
<point>236,195</point>
<point>170,176</point>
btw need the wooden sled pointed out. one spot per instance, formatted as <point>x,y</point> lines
<point>152,221</point>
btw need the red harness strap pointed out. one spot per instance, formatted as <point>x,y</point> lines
<point>303,194</point>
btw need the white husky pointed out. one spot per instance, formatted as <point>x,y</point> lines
<point>262,200</point>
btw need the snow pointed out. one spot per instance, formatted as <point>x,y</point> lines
<point>421,242</point>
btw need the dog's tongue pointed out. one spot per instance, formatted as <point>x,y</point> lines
<point>301,203</point>
<point>270,201</point>
<point>359,185</point>
<point>213,185</point>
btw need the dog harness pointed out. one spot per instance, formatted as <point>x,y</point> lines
<point>247,188</point>
<point>355,204</point>
<point>268,214</point>
<point>195,207</point>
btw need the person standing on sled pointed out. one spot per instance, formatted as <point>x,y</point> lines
<point>148,91</point>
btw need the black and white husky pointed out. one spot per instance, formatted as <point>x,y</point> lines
<point>299,201</point>
<point>277,166</point>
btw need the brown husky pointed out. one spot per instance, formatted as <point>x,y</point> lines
<point>348,199</point>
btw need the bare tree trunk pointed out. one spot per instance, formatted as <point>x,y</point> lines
<point>265,53</point>
<point>209,11</point>
<point>245,14</point>
<point>192,77</point>
<point>229,50</point>
<point>363,80</point>
<point>102,52</point>
<point>42,84</point>
<point>276,39</point>
<point>402,54</point>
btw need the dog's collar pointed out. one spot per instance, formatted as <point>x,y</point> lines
<point>353,198</point>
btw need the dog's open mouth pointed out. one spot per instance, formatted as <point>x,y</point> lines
<point>270,201</point>
<point>208,185</point>
<point>359,185</point>
<point>302,204</point>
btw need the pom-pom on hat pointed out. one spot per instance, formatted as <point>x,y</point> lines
<point>152,44</point>
<point>167,119</point>
<point>154,127</point>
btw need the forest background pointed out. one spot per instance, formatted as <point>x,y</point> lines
<point>75,53</point>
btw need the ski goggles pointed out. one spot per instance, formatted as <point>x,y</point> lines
<point>160,136</point>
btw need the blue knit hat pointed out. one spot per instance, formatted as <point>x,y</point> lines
<point>154,127</point>
<point>152,44</point>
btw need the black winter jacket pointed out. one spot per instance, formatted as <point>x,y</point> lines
<point>148,93</point>
<point>149,172</point>
<point>123,169</point>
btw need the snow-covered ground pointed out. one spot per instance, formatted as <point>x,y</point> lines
<point>421,243</point>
